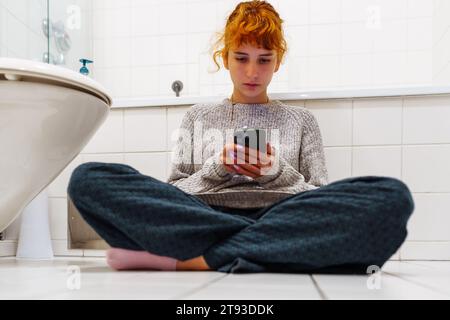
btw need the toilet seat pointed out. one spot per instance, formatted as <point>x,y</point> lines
<point>32,71</point>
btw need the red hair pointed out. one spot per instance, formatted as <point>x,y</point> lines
<point>255,23</point>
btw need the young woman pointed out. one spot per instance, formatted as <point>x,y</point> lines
<point>234,210</point>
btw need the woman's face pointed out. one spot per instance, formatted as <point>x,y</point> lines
<point>251,70</point>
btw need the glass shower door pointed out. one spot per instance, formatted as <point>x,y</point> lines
<point>21,33</point>
<point>70,32</point>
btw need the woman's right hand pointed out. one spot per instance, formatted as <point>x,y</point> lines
<point>248,166</point>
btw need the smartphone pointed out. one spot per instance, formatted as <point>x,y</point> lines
<point>252,138</point>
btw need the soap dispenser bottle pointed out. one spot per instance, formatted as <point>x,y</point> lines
<point>84,70</point>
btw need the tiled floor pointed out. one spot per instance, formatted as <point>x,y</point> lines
<point>91,278</point>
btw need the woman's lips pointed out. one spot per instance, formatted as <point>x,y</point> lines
<point>251,85</point>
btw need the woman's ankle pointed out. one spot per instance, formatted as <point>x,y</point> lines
<point>197,263</point>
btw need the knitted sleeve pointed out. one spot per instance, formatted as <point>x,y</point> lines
<point>187,175</point>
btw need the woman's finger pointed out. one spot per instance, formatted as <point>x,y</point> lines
<point>241,170</point>
<point>230,168</point>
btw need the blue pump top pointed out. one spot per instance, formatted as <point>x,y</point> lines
<point>83,69</point>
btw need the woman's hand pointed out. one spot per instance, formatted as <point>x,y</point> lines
<point>246,161</point>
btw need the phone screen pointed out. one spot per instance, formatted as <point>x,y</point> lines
<point>251,138</point>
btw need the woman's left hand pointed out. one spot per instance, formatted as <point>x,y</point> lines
<point>252,163</point>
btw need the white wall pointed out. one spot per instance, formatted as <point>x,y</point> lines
<point>441,42</point>
<point>141,47</point>
<point>21,34</point>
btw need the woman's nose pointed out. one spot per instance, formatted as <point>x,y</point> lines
<point>252,72</point>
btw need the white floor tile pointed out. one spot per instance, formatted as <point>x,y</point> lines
<point>430,274</point>
<point>388,286</point>
<point>21,279</point>
<point>53,279</point>
<point>260,286</point>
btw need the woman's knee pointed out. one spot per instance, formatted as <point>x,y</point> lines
<point>88,177</point>
<point>398,199</point>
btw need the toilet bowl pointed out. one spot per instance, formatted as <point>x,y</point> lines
<point>47,115</point>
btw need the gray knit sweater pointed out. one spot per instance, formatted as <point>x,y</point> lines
<point>292,131</point>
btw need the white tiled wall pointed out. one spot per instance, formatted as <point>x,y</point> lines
<point>141,47</point>
<point>441,42</point>
<point>21,34</point>
<point>402,137</point>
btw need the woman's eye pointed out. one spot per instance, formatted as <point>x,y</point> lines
<point>240,59</point>
<point>264,61</point>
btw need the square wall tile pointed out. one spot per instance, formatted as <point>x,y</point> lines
<point>145,81</point>
<point>335,120</point>
<point>419,67</point>
<point>420,8</point>
<point>431,218</point>
<point>324,39</point>
<point>420,34</point>
<point>109,137</point>
<point>298,73</point>
<point>354,10</point>
<point>391,37</point>
<point>197,43</point>
<point>325,11</point>
<point>298,40</point>
<point>172,49</point>
<point>356,38</point>
<point>338,162</point>
<point>377,121</point>
<point>426,169</point>
<point>324,71</point>
<point>421,250</point>
<point>170,12</point>
<point>170,73</point>
<point>388,68</point>
<point>355,69</point>
<point>201,17</point>
<point>426,120</point>
<point>145,129</point>
<point>144,20</point>
<point>103,157</point>
<point>144,51</point>
<point>150,164</point>
<point>293,12</point>
<point>175,116</point>
<point>58,218</point>
<point>58,188</point>
<point>391,10</point>
<point>377,161</point>
<point>169,164</point>
<point>192,85</point>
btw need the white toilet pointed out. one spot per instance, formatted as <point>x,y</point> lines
<point>47,115</point>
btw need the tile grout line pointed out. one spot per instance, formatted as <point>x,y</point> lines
<point>321,293</point>
<point>189,292</point>
<point>422,285</point>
